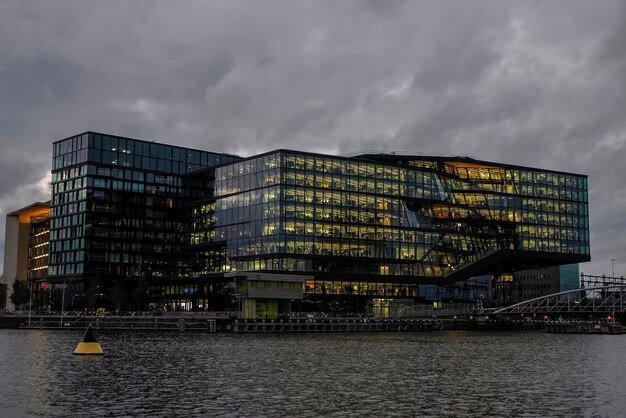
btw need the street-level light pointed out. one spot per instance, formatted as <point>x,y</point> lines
<point>613,267</point>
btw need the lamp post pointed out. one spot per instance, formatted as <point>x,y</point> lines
<point>62,304</point>
<point>613,268</point>
<point>30,302</point>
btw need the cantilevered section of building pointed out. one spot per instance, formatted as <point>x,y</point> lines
<point>397,218</point>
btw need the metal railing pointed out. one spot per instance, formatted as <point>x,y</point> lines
<point>591,300</point>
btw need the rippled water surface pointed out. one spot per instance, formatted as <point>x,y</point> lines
<point>332,374</point>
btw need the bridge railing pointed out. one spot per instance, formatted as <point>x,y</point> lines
<point>600,299</point>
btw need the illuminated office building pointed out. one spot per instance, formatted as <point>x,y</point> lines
<point>345,231</point>
<point>118,214</point>
<point>381,225</point>
<point>26,247</point>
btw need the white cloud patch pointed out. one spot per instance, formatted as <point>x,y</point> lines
<point>149,109</point>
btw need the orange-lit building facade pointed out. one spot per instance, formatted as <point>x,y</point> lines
<point>26,248</point>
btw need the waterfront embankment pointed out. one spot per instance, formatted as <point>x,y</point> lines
<point>223,323</point>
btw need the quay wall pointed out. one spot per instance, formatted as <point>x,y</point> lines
<point>203,323</point>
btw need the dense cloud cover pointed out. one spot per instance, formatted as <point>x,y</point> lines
<point>531,83</point>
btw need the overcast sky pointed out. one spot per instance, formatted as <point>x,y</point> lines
<point>538,83</point>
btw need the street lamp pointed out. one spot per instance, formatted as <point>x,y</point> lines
<point>613,268</point>
<point>30,302</point>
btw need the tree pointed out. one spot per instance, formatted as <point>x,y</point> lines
<point>20,293</point>
<point>140,295</point>
<point>3,296</point>
<point>117,296</point>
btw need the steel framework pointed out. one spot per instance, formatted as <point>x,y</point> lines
<point>587,280</point>
<point>609,299</point>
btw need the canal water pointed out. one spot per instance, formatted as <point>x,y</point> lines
<point>328,374</point>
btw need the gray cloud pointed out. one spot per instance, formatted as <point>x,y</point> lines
<point>17,171</point>
<point>532,83</point>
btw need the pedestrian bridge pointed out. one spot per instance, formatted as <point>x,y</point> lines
<point>609,299</point>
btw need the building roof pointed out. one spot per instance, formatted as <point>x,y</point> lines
<point>392,158</point>
<point>147,141</point>
<point>34,209</point>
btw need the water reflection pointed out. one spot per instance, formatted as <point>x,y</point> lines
<point>402,374</point>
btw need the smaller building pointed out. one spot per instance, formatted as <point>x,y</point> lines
<point>26,246</point>
<point>267,296</point>
<point>528,284</point>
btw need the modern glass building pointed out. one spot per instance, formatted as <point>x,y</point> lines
<point>355,229</point>
<point>118,212</point>
<point>383,224</point>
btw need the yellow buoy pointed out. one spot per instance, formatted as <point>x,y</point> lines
<point>89,344</point>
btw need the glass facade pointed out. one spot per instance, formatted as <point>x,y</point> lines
<point>118,205</point>
<point>434,219</point>
<point>569,277</point>
<point>374,225</point>
<point>205,254</point>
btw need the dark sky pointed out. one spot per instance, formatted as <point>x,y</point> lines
<point>537,83</point>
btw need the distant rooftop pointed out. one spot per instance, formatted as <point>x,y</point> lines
<point>359,153</point>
